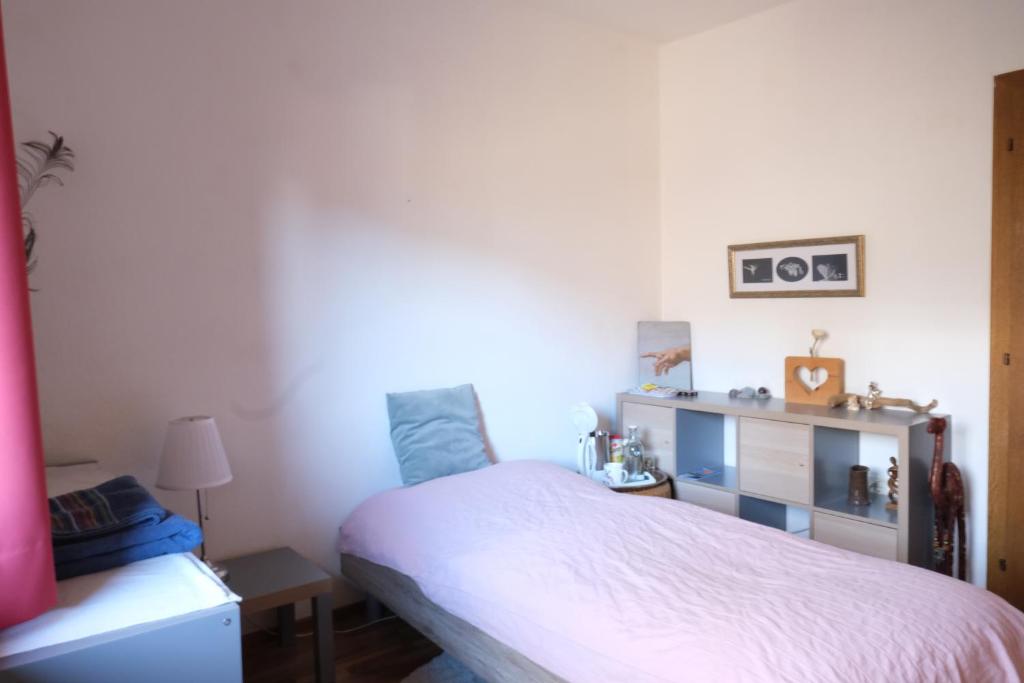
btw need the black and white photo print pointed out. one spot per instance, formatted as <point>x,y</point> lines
<point>792,269</point>
<point>830,267</point>
<point>827,266</point>
<point>757,270</point>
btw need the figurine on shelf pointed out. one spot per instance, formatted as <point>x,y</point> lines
<point>875,400</point>
<point>894,485</point>
<point>871,400</point>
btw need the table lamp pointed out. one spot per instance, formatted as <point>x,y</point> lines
<point>194,459</point>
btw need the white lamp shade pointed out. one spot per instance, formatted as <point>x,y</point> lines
<point>193,456</point>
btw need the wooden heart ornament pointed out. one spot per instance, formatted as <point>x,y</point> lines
<point>813,380</point>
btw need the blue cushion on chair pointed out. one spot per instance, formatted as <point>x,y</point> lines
<point>436,433</point>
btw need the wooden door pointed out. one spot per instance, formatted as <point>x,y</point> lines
<point>1006,407</point>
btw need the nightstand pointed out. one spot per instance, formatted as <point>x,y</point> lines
<point>661,488</point>
<point>278,579</point>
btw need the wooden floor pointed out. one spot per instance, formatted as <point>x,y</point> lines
<point>382,653</point>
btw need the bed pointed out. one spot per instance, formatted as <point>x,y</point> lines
<point>165,619</point>
<point>526,571</point>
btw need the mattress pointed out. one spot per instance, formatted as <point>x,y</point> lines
<point>598,586</point>
<point>139,593</point>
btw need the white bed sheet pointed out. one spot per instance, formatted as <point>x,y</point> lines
<point>138,593</point>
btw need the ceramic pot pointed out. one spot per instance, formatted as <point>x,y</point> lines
<point>858,492</point>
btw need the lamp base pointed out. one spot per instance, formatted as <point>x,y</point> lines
<point>220,570</point>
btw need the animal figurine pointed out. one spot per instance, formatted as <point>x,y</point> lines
<point>874,399</point>
<point>947,491</point>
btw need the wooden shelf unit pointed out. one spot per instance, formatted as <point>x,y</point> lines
<point>787,466</point>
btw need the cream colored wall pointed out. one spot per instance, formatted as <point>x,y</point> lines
<point>284,210</point>
<point>835,117</point>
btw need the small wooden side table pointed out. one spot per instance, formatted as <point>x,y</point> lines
<point>278,579</point>
<point>661,488</point>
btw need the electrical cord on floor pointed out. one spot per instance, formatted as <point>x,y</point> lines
<point>307,634</point>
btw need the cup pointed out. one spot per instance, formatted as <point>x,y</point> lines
<point>615,473</point>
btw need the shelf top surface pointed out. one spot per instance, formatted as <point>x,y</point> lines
<point>778,409</point>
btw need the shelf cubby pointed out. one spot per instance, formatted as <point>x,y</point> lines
<point>835,452</point>
<point>875,512</point>
<point>699,443</point>
<point>794,519</point>
<point>725,479</point>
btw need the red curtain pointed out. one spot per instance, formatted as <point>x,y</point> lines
<point>27,583</point>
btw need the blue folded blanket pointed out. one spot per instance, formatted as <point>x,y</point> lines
<point>113,524</point>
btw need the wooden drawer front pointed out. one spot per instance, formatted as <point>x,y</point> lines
<point>775,459</point>
<point>712,499</point>
<point>860,537</point>
<point>657,431</point>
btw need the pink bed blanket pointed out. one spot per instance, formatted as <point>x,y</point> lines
<point>598,586</point>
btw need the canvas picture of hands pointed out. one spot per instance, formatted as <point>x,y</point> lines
<point>664,354</point>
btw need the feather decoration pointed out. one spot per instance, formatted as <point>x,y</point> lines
<point>38,166</point>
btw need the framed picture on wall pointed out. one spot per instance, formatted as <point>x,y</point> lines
<point>827,266</point>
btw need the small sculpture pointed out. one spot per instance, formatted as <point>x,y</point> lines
<point>947,491</point>
<point>875,400</point>
<point>894,485</point>
<point>874,393</point>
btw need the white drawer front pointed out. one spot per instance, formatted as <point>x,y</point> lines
<point>657,427</point>
<point>861,537</point>
<point>712,499</point>
<point>775,459</point>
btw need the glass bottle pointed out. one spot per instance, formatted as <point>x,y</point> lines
<point>634,455</point>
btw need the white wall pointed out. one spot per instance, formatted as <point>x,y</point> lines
<point>284,210</point>
<point>844,117</point>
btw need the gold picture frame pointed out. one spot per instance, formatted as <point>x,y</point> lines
<point>797,268</point>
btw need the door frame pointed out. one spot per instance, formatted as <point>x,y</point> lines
<point>1003,304</point>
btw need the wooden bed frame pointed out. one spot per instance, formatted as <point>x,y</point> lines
<point>488,658</point>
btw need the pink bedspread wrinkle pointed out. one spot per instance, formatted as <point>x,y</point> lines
<point>598,586</point>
